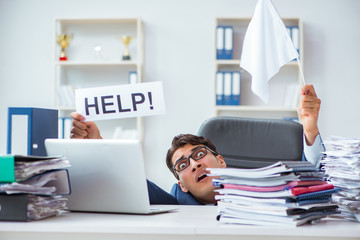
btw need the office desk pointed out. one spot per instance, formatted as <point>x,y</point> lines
<point>188,222</point>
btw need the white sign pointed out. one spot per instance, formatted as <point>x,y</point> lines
<point>122,101</point>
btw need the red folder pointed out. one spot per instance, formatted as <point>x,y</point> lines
<point>302,190</point>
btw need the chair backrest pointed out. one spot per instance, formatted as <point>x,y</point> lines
<point>252,142</point>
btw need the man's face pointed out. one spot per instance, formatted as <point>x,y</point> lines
<point>194,178</point>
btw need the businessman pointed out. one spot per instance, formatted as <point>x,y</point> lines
<point>190,155</point>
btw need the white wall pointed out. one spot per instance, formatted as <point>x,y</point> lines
<point>179,51</point>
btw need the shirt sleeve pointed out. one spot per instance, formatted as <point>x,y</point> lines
<point>315,152</point>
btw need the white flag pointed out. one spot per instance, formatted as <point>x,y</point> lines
<point>267,46</point>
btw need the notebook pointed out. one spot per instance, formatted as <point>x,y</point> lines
<point>105,175</point>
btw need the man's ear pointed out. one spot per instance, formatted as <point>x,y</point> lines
<point>183,188</point>
<point>221,161</point>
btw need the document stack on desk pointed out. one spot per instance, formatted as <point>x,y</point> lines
<point>342,164</point>
<point>285,193</point>
<point>32,187</point>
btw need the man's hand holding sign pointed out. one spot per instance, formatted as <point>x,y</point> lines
<point>123,101</point>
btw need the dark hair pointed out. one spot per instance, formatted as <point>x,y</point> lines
<point>180,141</point>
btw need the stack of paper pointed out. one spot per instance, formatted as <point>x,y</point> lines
<point>342,164</point>
<point>32,187</point>
<point>285,193</point>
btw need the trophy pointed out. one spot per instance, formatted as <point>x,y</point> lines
<point>126,40</point>
<point>63,41</point>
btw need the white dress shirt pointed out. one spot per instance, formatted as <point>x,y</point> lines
<point>314,152</point>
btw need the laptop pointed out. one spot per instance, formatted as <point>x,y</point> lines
<point>105,175</point>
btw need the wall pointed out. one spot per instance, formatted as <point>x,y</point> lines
<point>178,51</point>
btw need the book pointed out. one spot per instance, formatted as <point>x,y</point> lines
<point>293,192</point>
<point>234,213</point>
<point>289,193</point>
<point>289,202</point>
<point>252,219</point>
<point>288,185</point>
<point>269,171</point>
<point>276,210</point>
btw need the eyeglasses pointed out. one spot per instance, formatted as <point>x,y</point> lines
<point>197,154</point>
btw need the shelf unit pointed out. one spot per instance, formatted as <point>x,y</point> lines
<point>282,86</point>
<point>95,60</point>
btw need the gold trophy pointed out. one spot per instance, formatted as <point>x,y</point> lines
<point>126,40</point>
<point>63,41</point>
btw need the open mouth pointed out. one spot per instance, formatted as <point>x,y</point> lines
<point>201,177</point>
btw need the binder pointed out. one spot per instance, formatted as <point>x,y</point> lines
<point>64,127</point>
<point>227,88</point>
<point>28,128</point>
<point>235,91</point>
<point>133,77</point>
<point>288,29</point>
<point>228,45</point>
<point>219,88</point>
<point>220,42</point>
<point>34,188</point>
<point>295,36</point>
<point>27,207</point>
<point>294,33</point>
<point>7,169</point>
<point>53,182</point>
<point>13,207</point>
<point>7,166</point>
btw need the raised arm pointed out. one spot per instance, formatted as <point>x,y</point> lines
<point>308,111</point>
<point>83,130</point>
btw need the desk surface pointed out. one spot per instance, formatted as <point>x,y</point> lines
<point>197,222</point>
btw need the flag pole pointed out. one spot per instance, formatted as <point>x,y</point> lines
<point>301,71</point>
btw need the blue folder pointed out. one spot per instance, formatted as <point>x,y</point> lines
<point>41,124</point>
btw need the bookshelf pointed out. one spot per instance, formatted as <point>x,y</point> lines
<point>283,86</point>
<point>94,59</point>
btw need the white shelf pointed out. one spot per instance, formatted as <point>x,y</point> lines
<point>97,20</point>
<point>237,62</point>
<point>94,64</point>
<point>113,63</point>
<point>87,68</point>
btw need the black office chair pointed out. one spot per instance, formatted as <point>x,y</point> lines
<point>253,143</point>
